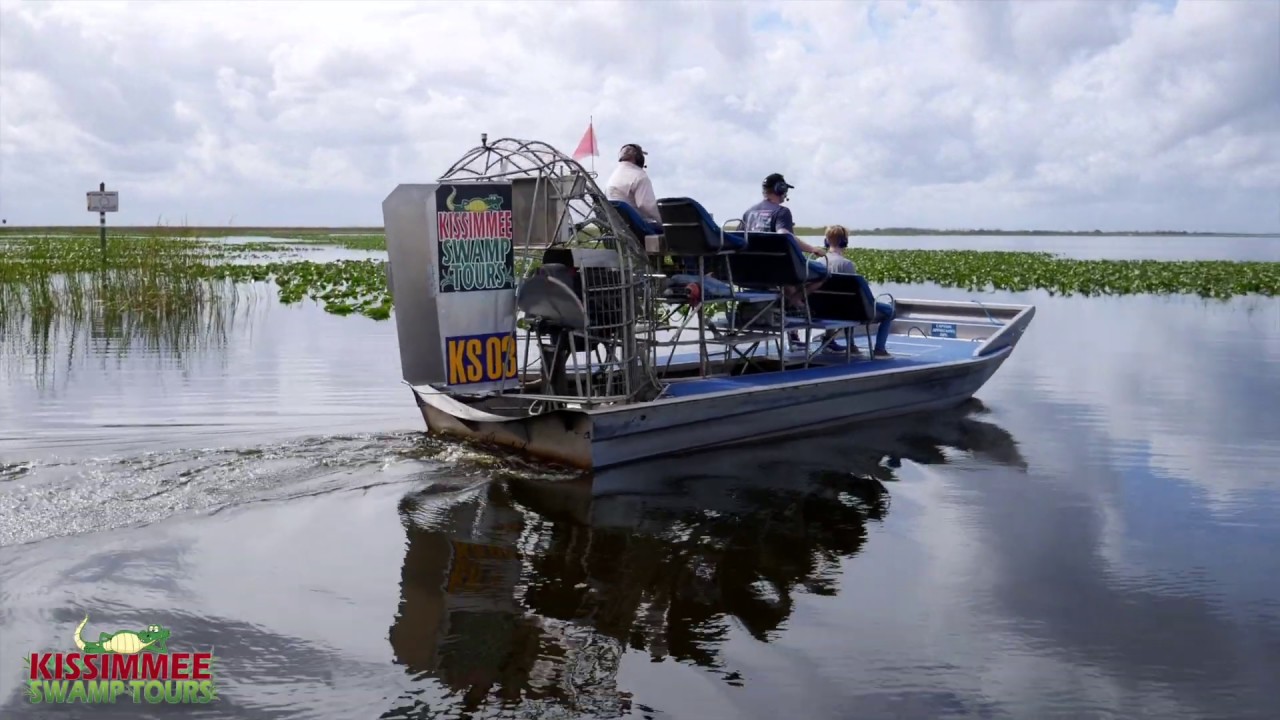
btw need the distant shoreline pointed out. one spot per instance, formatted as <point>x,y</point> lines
<point>920,232</point>
<point>268,230</point>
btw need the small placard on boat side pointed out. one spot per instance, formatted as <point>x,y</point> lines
<point>942,330</point>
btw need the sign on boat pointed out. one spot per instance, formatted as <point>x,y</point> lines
<point>621,340</point>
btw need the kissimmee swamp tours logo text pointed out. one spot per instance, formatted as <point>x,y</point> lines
<point>126,664</point>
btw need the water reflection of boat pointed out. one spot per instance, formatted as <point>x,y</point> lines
<point>525,593</point>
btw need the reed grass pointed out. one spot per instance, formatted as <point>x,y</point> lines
<point>147,282</point>
<point>157,293</point>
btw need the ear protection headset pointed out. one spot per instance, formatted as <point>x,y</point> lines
<point>842,240</point>
<point>636,154</point>
<point>778,187</point>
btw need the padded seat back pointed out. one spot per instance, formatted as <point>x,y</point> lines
<point>769,260</point>
<point>843,297</point>
<point>689,229</point>
<point>635,221</point>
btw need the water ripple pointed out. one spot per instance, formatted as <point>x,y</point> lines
<point>92,495</point>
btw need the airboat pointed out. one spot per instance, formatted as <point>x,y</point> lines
<point>534,314</point>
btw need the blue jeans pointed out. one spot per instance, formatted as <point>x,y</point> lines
<point>712,289</point>
<point>815,270</point>
<point>884,316</point>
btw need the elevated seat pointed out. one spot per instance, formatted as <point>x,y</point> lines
<point>691,235</point>
<point>690,230</point>
<point>698,247</point>
<point>773,260</point>
<point>844,296</point>
<point>648,233</point>
<point>770,262</point>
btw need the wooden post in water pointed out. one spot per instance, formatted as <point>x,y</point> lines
<point>102,222</point>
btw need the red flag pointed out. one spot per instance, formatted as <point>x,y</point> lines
<point>587,146</point>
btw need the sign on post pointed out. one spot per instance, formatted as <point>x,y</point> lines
<point>100,201</point>
<point>103,202</point>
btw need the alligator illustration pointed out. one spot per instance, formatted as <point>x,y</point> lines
<point>124,642</point>
<point>492,202</point>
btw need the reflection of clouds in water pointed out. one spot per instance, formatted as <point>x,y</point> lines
<point>1186,387</point>
<point>1155,636</point>
<point>1097,581</point>
<point>1109,573</point>
<point>1143,432</point>
<point>1012,601</point>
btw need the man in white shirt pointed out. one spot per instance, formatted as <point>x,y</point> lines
<point>630,183</point>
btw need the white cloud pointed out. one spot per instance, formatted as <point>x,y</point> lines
<point>1044,114</point>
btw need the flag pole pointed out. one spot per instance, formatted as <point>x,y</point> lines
<point>595,143</point>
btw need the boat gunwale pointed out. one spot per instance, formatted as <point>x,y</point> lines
<point>749,389</point>
<point>1021,315</point>
<point>473,412</point>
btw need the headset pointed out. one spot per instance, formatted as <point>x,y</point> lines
<point>637,155</point>
<point>843,240</point>
<point>778,187</point>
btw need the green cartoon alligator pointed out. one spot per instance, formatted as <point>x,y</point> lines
<point>492,202</point>
<point>124,642</point>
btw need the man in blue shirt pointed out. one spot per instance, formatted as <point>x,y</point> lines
<point>769,215</point>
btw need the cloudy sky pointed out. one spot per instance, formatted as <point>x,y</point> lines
<point>1110,114</point>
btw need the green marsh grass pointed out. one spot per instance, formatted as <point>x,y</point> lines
<point>161,284</point>
<point>1020,271</point>
<point>157,293</point>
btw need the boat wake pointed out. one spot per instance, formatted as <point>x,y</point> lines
<point>59,497</point>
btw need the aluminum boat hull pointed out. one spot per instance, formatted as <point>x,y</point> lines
<point>714,412</point>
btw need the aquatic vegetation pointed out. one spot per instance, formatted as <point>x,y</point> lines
<point>350,242</point>
<point>151,275</point>
<point>1020,271</point>
<point>343,286</point>
<point>61,292</point>
<point>170,231</point>
<point>925,232</point>
<point>146,282</point>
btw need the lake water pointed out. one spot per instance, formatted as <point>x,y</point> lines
<point>1094,537</point>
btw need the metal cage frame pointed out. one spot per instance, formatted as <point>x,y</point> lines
<point>619,298</point>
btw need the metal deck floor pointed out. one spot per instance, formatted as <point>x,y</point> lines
<point>906,351</point>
